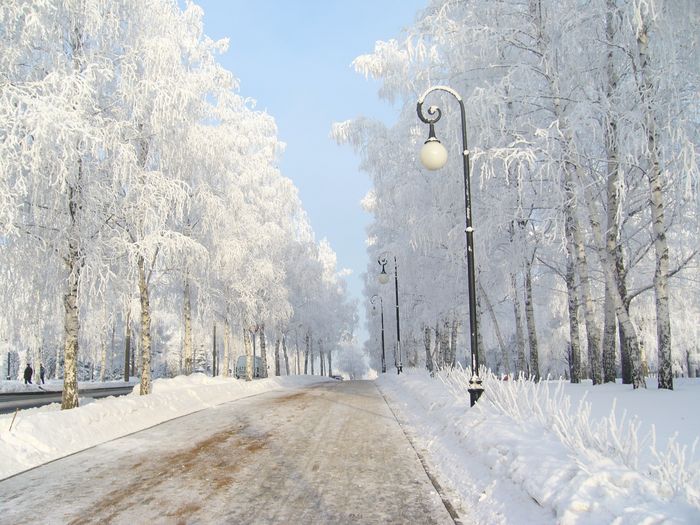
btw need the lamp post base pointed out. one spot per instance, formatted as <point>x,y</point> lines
<point>475,390</point>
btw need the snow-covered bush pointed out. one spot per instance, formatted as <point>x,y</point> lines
<point>551,451</point>
<point>675,468</point>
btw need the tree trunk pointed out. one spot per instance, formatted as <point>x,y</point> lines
<point>248,347</point>
<point>444,345</point>
<point>57,370</point>
<point>613,198</point>
<point>625,358</point>
<point>127,346</point>
<point>103,357</point>
<point>574,336</point>
<point>609,337</point>
<point>227,347</point>
<point>311,354</point>
<point>330,362</point>
<point>621,308</point>
<point>187,317</point>
<point>436,346</point>
<point>277,356</point>
<point>519,332</point>
<point>530,322</point>
<point>663,319</point>
<point>112,351</point>
<point>134,348</point>
<point>296,348</point>
<point>71,328</point>
<point>499,337</point>
<point>214,362</point>
<point>307,351</point>
<point>321,358</point>
<point>428,356</point>
<point>263,350</point>
<point>453,343</point>
<point>286,357</point>
<point>145,329</point>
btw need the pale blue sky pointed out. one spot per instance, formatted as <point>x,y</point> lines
<point>294,58</point>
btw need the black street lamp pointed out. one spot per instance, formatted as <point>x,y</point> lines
<point>383,279</point>
<point>381,308</point>
<point>433,155</point>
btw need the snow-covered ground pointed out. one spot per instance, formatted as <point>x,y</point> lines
<point>39,435</point>
<point>550,452</point>
<point>555,451</point>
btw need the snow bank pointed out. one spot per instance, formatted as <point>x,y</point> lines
<point>541,453</point>
<point>43,434</point>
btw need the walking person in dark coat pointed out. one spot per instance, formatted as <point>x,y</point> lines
<point>41,374</point>
<point>28,374</point>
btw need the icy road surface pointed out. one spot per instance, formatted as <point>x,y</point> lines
<point>331,453</point>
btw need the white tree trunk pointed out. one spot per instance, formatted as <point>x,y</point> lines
<point>321,359</point>
<point>428,355</point>
<point>663,319</point>
<point>311,354</point>
<point>574,335</point>
<point>214,354</point>
<point>145,329</point>
<point>519,332</point>
<point>227,348</point>
<point>127,346</point>
<point>248,346</point>
<point>278,342</point>
<point>613,198</point>
<point>452,361</point>
<point>103,358</point>
<point>530,323</point>
<point>286,356</point>
<point>69,397</point>
<point>263,350</point>
<point>187,318</point>
<point>57,370</point>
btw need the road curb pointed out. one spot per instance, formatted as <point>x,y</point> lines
<point>436,484</point>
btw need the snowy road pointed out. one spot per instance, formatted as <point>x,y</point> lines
<point>332,453</point>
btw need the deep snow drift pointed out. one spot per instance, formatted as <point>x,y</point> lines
<point>555,451</point>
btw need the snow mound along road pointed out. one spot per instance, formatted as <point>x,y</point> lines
<point>40,435</point>
<point>553,452</point>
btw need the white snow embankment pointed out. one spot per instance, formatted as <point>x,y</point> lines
<point>40,435</point>
<point>526,454</point>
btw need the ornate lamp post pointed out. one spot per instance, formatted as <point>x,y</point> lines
<point>383,279</point>
<point>381,309</point>
<point>433,155</point>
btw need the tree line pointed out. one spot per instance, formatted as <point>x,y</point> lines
<point>139,193</point>
<point>582,121</point>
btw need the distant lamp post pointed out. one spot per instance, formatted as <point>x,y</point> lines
<point>381,308</point>
<point>383,279</point>
<point>383,276</point>
<point>433,155</point>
